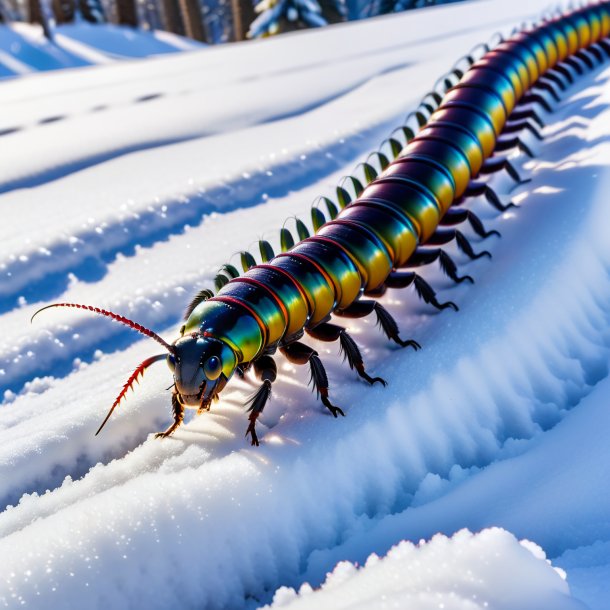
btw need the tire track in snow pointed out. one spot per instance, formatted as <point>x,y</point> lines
<point>44,176</point>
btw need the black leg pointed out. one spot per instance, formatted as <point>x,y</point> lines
<point>477,187</point>
<point>506,142</point>
<point>527,113</point>
<point>299,353</point>
<point>444,236</point>
<point>351,352</point>
<point>178,412</point>
<point>265,369</point>
<point>574,64</point>
<point>535,98</point>
<point>559,69</point>
<point>425,256</point>
<point>454,216</point>
<point>554,77</point>
<point>548,87</point>
<point>496,164</point>
<point>402,279</point>
<point>585,58</point>
<point>363,307</point>
<point>517,126</point>
<point>390,328</point>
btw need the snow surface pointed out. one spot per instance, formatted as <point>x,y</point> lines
<point>24,48</point>
<point>149,177</point>
<point>467,572</point>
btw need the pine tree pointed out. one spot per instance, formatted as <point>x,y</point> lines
<point>92,11</point>
<point>127,12</point>
<point>285,15</point>
<point>193,20</point>
<point>40,11</point>
<point>243,16</point>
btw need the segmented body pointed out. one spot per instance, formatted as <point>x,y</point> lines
<point>273,303</point>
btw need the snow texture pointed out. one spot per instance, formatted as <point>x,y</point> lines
<point>127,185</point>
<point>24,49</point>
<point>467,572</point>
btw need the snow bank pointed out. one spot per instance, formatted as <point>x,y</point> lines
<point>490,569</point>
<point>203,521</point>
<point>200,521</point>
<point>24,49</point>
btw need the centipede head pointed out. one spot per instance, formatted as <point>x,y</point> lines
<point>201,364</point>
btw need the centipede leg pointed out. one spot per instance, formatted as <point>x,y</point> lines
<point>517,126</point>
<point>536,98</point>
<point>545,85</point>
<point>444,236</point>
<point>349,348</point>
<point>425,256</point>
<point>497,164</point>
<point>265,369</point>
<point>299,353</point>
<point>402,279</point>
<point>583,55</point>
<point>605,45</point>
<point>478,187</point>
<point>506,142</point>
<point>455,216</point>
<point>527,113</point>
<point>178,413</point>
<point>363,307</point>
<point>555,78</point>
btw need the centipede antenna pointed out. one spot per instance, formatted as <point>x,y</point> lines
<point>129,383</point>
<point>113,316</point>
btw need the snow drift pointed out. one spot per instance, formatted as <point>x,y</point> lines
<point>466,572</point>
<point>201,520</point>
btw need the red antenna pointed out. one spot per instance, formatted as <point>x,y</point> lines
<point>129,384</point>
<point>114,316</point>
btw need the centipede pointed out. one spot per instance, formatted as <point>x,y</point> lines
<point>380,231</point>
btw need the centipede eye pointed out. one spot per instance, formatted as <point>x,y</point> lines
<point>212,368</point>
<point>171,361</point>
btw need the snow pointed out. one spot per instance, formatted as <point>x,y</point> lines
<point>499,421</point>
<point>24,49</point>
<point>466,572</point>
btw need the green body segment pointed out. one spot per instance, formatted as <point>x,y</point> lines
<point>273,303</point>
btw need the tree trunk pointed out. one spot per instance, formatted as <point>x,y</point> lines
<point>64,10</point>
<point>127,12</point>
<point>243,16</point>
<point>42,14</point>
<point>193,22</point>
<point>172,18</point>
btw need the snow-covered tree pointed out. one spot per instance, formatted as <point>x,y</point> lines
<point>92,11</point>
<point>276,16</point>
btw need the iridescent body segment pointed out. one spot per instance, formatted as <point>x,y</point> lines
<point>360,250</point>
<point>272,303</point>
